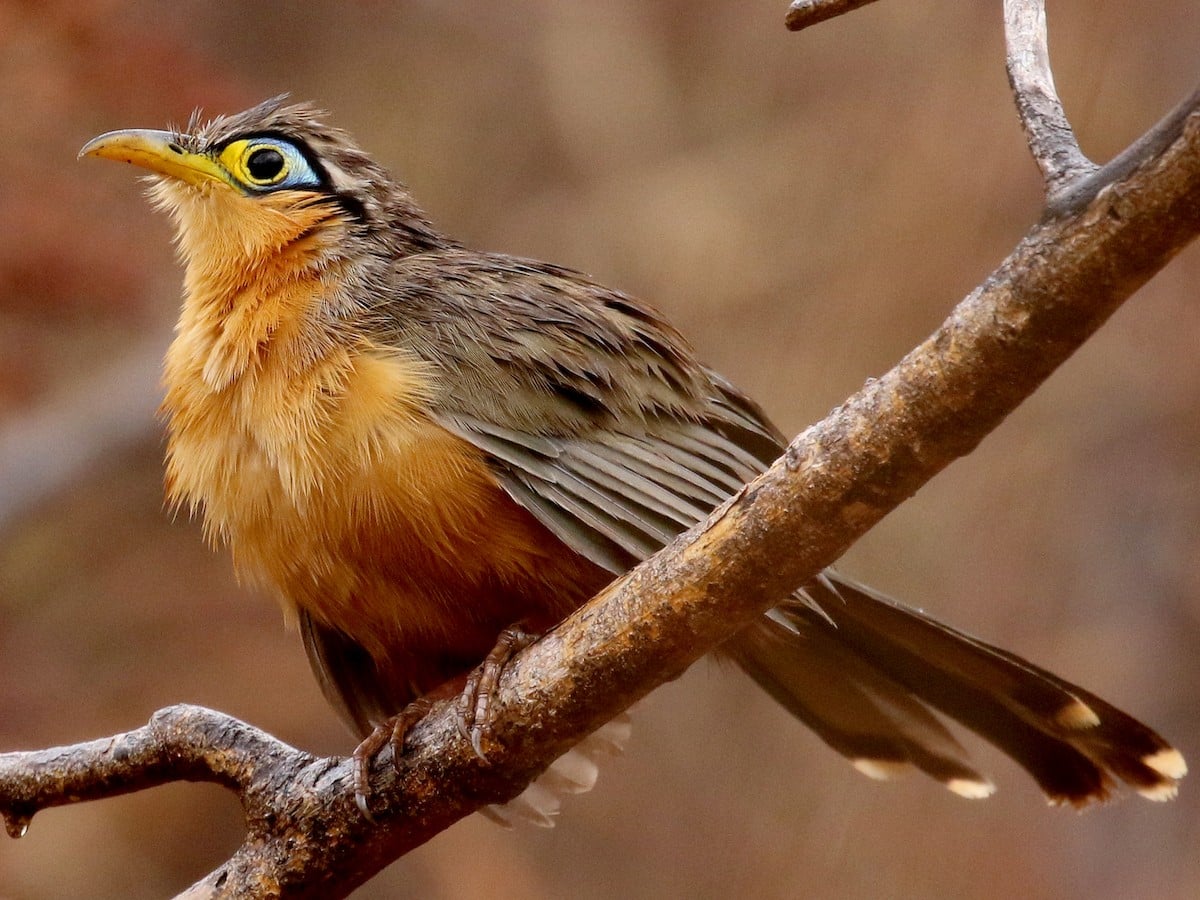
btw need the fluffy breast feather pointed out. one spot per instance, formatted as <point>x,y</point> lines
<point>310,452</point>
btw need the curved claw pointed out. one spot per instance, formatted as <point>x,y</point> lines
<point>474,704</point>
<point>389,733</point>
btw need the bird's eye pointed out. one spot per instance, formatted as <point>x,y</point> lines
<point>265,164</point>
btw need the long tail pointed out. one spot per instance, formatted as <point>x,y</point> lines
<point>865,673</point>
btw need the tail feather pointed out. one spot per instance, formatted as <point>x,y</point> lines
<point>872,721</point>
<point>1135,752</point>
<point>864,671</point>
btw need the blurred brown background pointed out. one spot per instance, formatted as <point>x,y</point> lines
<point>806,208</point>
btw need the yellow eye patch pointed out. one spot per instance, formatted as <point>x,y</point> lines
<point>263,164</point>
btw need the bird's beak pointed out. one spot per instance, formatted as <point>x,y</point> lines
<point>158,151</point>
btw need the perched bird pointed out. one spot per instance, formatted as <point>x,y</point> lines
<point>418,446</point>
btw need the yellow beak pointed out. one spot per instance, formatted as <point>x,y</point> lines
<point>158,151</point>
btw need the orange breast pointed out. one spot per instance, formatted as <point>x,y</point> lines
<point>336,488</point>
<point>312,454</point>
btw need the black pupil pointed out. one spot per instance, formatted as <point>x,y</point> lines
<point>264,164</point>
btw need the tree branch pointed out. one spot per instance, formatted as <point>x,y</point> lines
<point>180,743</point>
<point>305,836</point>
<point>1051,138</point>
<point>804,13</point>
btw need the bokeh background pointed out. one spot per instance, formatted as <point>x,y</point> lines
<point>805,207</point>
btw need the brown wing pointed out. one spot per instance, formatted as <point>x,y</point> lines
<point>598,420</point>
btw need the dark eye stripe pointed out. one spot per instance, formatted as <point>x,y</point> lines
<point>352,205</point>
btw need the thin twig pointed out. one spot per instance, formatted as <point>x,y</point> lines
<point>805,13</point>
<point>1051,138</point>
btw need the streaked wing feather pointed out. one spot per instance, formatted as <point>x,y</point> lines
<point>650,494</point>
<point>630,453</point>
<point>627,535</point>
<point>726,472</point>
<point>611,490</point>
<point>553,468</point>
<point>724,448</point>
<point>581,536</point>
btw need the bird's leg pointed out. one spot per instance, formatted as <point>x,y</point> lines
<point>391,731</point>
<point>472,707</point>
<point>474,703</point>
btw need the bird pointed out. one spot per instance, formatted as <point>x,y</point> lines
<point>432,454</point>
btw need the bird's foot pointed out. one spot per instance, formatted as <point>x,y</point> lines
<point>390,732</point>
<point>474,703</point>
<point>472,707</point>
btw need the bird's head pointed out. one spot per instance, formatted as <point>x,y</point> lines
<point>248,187</point>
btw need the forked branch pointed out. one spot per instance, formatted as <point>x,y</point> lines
<point>1051,138</point>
